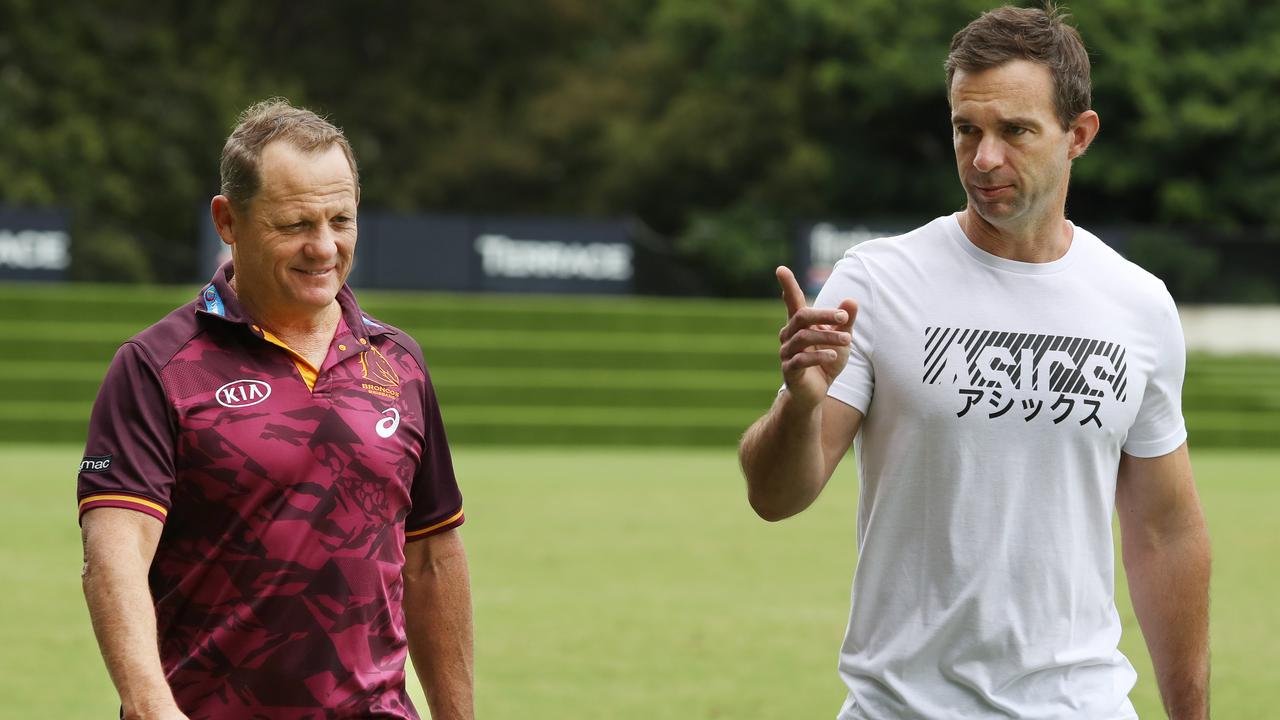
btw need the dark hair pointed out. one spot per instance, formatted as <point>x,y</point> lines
<point>1039,35</point>
<point>263,123</point>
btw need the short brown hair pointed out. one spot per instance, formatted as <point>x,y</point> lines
<point>263,123</point>
<point>1039,35</point>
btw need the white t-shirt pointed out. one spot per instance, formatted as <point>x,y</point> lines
<point>998,396</point>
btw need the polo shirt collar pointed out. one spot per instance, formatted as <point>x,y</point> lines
<point>219,300</point>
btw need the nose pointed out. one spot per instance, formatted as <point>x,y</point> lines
<point>323,245</point>
<point>990,154</point>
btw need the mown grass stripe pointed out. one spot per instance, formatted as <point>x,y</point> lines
<point>1231,419</point>
<point>482,339</point>
<point>597,415</point>
<point>47,410</point>
<point>608,377</point>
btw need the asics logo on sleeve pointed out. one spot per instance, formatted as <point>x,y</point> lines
<point>388,424</point>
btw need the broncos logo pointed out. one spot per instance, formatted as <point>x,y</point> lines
<point>375,366</point>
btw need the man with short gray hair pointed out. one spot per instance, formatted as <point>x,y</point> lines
<point>267,501</point>
<point>1010,380</point>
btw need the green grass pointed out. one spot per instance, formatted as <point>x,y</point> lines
<point>633,584</point>
<point>534,370</point>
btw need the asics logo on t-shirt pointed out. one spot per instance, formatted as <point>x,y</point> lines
<point>1019,374</point>
<point>386,427</point>
<point>1025,361</point>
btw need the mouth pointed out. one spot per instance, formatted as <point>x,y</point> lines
<point>313,273</point>
<point>992,192</point>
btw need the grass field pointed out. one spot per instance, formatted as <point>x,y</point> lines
<point>633,584</point>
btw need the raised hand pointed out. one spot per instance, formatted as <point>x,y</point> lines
<point>815,342</point>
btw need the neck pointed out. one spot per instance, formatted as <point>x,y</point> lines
<point>302,327</point>
<point>1039,241</point>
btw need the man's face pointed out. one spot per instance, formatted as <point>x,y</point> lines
<point>295,241</point>
<point>1013,156</point>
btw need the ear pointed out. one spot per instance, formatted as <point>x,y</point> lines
<point>1082,131</point>
<point>223,218</point>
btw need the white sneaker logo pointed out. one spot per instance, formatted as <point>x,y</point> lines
<point>386,427</point>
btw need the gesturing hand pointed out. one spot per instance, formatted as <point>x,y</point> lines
<point>815,342</point>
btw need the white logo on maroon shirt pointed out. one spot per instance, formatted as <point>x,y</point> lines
<point>388,424</point>
<point>242,393</point>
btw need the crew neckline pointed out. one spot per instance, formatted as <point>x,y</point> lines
<point>1015,266</point>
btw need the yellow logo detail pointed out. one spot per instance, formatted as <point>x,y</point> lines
<point>376,367</point>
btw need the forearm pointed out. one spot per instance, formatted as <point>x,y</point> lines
<point>1169,585</point>
<point>124,621</point>
<point>437,608</point>
<point>782,458</point>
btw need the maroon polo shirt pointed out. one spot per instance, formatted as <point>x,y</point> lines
<point>286,508</point>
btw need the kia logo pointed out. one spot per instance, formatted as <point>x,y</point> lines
<point>242,393</point>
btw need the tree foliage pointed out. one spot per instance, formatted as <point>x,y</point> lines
<point>716,117</point>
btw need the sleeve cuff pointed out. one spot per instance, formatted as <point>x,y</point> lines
<point>1156,448</point>
<point>127,502</point>
<point>448,523</point>
<point>859,401</point>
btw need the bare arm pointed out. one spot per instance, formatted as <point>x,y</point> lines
<point>1166,556</point>
<point>437,612</point>
<point>118,548</point>
<point>788,455</point>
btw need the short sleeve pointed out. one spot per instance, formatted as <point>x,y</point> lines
<point>1159,428</point>
<point>850,279</point>
<point>436,499</point>
<point>129,453</point>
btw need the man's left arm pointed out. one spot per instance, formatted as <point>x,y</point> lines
<point>1165,546</point>
<point>437,613</point>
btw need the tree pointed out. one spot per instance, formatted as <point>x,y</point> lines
<point>728,118</point>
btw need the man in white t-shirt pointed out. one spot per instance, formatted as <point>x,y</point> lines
<point>1009,380</point>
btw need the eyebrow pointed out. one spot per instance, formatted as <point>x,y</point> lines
<point>1023,122</point>
<point>1019,121</point>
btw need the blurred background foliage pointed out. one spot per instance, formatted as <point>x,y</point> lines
<point>714,124</point>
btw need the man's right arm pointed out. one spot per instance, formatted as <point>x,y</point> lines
<point>119,545</point>
<point>788,455</point>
